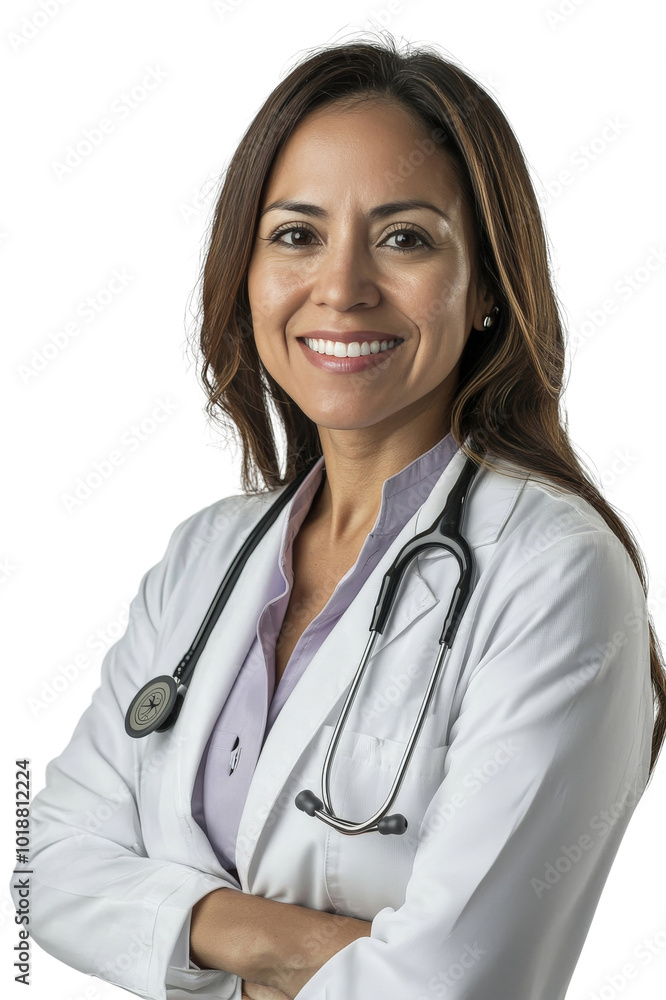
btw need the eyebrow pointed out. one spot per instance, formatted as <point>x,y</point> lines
<point>378,212</point>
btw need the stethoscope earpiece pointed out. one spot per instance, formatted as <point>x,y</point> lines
<point>308,803</point>
<point>392,824</point>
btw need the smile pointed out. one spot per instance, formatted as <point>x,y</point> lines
<point>337,349</point>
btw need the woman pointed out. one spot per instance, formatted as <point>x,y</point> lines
<point>377,279</point>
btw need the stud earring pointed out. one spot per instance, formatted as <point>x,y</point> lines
<point>490,318</point>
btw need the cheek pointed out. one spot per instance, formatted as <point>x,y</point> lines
<point>273,296</point>
<point>431,292</point>
<point>438,305</point>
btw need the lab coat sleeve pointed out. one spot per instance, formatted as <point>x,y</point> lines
<point>98,902</point>
<point>548,757</point>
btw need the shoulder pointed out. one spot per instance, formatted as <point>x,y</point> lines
<point>214,531</point>
<point>549,522</point>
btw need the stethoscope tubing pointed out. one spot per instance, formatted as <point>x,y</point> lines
<point>367,826</point>
<point>443,533</point>
<point>163,696</point>
<point>185,668</point>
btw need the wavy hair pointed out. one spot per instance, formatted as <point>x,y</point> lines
<point>507,402</point>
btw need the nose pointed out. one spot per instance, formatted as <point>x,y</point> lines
<point>345,276</point>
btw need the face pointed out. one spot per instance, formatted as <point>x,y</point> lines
<point>347,267</point>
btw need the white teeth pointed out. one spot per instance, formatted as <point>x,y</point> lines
<point>338,349</point>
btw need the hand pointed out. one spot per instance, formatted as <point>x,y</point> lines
<point>254,991</point>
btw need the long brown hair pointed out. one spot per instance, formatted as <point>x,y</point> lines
<point>508,397</point>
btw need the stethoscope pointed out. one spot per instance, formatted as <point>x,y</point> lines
<point>156,707</point>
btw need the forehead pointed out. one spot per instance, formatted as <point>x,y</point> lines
<point>374,149</point>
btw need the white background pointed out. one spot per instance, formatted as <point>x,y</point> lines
<point>140,204</point>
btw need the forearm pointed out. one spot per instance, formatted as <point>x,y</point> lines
<point>275,944</point>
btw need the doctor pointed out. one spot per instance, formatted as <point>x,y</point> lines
<point>177,865</point>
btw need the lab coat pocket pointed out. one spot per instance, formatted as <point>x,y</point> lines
<point>368,871</point>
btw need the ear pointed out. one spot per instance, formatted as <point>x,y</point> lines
<point>484,303</point>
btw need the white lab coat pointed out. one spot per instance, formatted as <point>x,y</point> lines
<point>532,758</point>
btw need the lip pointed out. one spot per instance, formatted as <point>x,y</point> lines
<point>342,366</point>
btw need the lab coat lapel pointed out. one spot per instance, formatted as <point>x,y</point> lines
<point>321,689</point>
<point>219,663</point>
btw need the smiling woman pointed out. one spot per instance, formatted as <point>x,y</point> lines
<point>376,291</point>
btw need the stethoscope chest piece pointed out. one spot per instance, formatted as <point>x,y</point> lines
<point>152,706</point>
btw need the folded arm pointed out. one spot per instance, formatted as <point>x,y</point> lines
<point>268,943</point>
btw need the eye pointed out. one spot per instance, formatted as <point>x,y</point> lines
<point>282,231</point>
<point>401,230</point>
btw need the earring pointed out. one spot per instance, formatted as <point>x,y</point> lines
<point>490,318</point>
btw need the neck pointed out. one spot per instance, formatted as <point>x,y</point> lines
<point>357,464</point>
